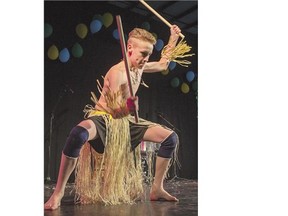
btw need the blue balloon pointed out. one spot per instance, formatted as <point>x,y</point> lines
<point>190,76</point>
<point>172,65</point>
<point>116,34</point>
<point>64,55</point>
<point>159,44</point>
<point>95,26</point>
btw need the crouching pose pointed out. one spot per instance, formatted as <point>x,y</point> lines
<point>109,171</point>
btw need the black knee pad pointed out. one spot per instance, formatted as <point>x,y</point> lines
<point>77,137</point>
<point>168,145</point>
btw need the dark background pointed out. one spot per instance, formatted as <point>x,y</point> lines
<point>101,51</point>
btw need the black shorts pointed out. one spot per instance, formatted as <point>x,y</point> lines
<point>137,131</point>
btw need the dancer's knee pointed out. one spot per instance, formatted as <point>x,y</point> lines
<point>77,137</point>
<point>168,146</point>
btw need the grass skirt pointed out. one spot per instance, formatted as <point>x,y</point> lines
<point>111,177</point>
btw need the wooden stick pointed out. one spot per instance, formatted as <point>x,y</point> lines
<point>158,15</point>
<point>124,53</point>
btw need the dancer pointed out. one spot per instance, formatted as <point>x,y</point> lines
<point>110,124</point>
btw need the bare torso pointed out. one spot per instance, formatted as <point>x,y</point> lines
<point>116,79</point>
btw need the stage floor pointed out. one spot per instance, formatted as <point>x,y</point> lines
<point>185,190</point>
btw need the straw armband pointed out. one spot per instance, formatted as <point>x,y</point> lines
<point>177,53</point>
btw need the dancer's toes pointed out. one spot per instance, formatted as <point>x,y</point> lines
<point>53,203</point>
<point>162,195</point>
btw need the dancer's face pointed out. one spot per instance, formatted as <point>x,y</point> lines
<point>139,52</point>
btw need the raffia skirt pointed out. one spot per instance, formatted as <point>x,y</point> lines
<point>112,174</point>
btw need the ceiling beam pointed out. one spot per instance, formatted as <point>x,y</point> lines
<point>185,13</point>
<point>132,5</point>
<point>160,9</point>
<point>165,6</point>
<point>193,24</point>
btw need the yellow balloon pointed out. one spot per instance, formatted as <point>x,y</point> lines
<point>155,35</point>
<point>165,72</point>
<point>81,30</point>
<point>185,88</point>
<point>53,52</point>
<point>107,19</point>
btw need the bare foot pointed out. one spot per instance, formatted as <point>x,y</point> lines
<point>162,195</point>
<point>54,202</point>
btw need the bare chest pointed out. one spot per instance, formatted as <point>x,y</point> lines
<point>135,77</point>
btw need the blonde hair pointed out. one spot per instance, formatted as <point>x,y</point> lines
<point>141,34</point>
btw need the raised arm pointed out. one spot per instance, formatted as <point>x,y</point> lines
<point>163,63</point>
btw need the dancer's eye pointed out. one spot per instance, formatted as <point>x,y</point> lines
<point>145,54</point>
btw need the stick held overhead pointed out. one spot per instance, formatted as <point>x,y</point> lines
<point>159,16</point>
<point>181,50</point>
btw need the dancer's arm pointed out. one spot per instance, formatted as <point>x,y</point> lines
<point>163,63</point>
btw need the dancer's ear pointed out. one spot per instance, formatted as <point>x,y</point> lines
<point>129,49</point>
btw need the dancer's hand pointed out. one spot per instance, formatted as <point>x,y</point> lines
<point>131,107</point>
<point>175,31</point>
<point>132,104</point>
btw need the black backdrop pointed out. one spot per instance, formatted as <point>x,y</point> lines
<point>101,51</point>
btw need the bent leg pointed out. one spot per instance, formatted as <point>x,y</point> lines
<point>80,134</point>
<point>168,140</point>
<point>67,166</point>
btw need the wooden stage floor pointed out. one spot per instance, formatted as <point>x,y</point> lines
<point>185,190</point>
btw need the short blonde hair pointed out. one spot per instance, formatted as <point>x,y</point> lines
<point>143,35</point>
